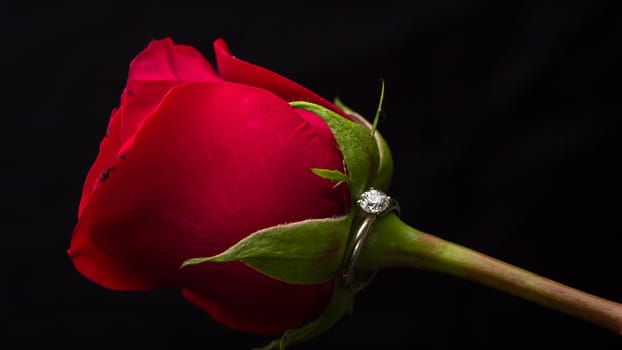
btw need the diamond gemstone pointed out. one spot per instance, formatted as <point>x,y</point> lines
<point>374,201</point>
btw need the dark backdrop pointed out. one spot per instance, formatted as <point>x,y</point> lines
<point>503,118</point>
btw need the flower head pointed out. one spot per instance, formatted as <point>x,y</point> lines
<point>195,160</point>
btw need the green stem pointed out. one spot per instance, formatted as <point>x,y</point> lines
<point>392,243</point>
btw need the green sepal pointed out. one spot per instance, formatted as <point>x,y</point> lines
<point>383,177</point>
<point>330,174</point>
<point>305,252</point>
<point>384,173</point>
<point>337,101</point>
<point>356,144</point>
<point>374,125</point>
<point>340,303</point>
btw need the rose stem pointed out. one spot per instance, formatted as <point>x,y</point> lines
<point>392,243</point>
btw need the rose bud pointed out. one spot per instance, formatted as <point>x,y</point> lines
<point>229,167</point>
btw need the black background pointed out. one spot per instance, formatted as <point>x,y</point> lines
<point>503,118</point>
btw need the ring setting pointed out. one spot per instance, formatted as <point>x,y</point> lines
<point>373,204</point>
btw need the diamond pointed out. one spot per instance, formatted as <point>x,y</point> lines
<point>374,202</point>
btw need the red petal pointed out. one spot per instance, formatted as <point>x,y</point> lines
<point>238,71</point>
<point>153,72</point>
<point>260,304</point>
<point>213,163</point>
<point>163,60</point>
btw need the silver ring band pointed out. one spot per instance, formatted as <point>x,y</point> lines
<point>373,204</point>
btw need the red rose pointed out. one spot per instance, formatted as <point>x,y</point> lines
<point>192,162</point>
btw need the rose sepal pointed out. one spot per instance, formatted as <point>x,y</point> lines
<point>384,173</point>
<point>357,145</point>
<point>305,252</point>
